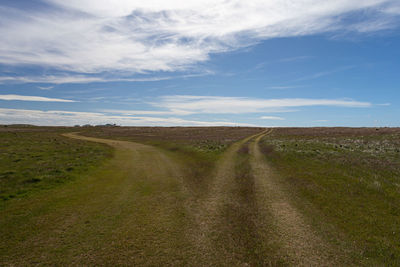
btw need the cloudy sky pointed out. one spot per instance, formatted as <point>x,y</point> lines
<point>199,63</point>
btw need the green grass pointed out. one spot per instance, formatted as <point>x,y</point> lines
<point>196,148</point>
<point>131,209</point>
<point>122,213</point>
<point>197,153</point>
<point>32,160</point>
<point>135,208</point>
<point>352,183</point>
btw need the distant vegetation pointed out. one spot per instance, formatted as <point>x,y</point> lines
<point>205,139</point>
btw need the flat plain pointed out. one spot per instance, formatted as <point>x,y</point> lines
<point>199,196</point>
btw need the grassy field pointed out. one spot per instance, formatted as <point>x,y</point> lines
<point>134,208</point>
<point>348,182</point>
<point>221,196</point>
<point>202,139</point>
<point>32,159</point>
<point>196,148</point>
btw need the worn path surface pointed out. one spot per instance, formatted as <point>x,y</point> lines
<point>136,210</point>
<point>299,244</point>
<point>247,218</point>
<point>213,243</point>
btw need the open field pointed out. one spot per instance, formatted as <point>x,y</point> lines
<point>348,183</point>
<point>196,148</point>
<point>204,139</point>
<point>197,196</point>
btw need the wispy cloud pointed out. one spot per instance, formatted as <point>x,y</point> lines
<point>324,73</point>
<point>169,110</point>
<point>68,118</point>
<point>146,112</point>
<point>272,118</point>
<point>91,36</point>
<point>184,105</point>
<point>62,79</point>
<point>33,98</point>
<point>238,105</point>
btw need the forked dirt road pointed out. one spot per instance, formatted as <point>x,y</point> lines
<point>136,210</point>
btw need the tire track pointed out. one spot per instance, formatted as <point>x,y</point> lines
<point>208,237</point>
<point>245,218</point>
<point>300,245</point>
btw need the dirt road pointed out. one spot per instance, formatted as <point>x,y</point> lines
<point>135,210</point>
<point>299,244</point>
<point>128,211</point>
<point>247,218</point>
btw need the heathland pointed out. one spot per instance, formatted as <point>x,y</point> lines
<point>199,196</point>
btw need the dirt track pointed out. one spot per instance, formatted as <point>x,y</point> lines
<point>137,210</point>
<point>250,221</point>
<point>128,211</point>
<point>299,243</point>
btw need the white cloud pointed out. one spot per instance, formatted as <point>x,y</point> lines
<point>186,105</point>
<point>33,98</point>
<point>146,112</point>
<point>237,105</point>
<point>272,118</point>
<point>393,9</point>
<point>93,36</point>
<point>69,118</point>
<point>51,79</point>
<point>168,111</point>
<point>61,79</point>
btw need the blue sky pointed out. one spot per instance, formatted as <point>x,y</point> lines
<point>200,63</point>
